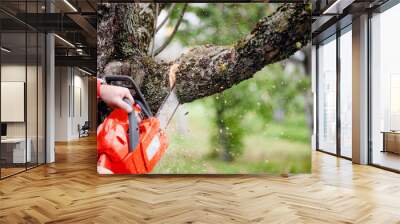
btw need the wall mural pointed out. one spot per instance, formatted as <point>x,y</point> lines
<point>197,88</point>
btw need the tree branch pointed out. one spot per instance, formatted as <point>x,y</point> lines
<point>170,10</point>
<point>204,70</point>
<point>165,44</point>
<point>154,32</point>
<point>211,69</point>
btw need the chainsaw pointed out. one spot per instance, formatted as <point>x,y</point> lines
<point>133,143</point>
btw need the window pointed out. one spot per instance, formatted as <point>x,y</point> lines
<point>385,89</point>
<point>22,77</point>
<point>327,96</point>
<point>346,92</point>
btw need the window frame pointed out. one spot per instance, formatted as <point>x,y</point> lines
<point>339,32</point>
<point>378,10</point>
<point>30,30</point>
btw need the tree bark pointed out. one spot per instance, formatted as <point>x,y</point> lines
<point>125,32</point>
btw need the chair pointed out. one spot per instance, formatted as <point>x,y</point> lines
<point>84,130</point>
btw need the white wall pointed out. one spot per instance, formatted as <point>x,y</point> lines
<point>61,103</point>
<point>12,73</point>
<point>80,89</point>
<point>33,126</point>
<point>70,84</point>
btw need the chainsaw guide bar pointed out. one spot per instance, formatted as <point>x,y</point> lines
<point>170,105</point>
<point>168,109</point>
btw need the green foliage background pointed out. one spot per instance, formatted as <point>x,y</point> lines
<point>242,118</point>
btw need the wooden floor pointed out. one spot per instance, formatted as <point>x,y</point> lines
<point>70,191</point>
<point>387,159</point>
<point>10,171</point>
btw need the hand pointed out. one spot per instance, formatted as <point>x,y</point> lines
<point>113,96</point>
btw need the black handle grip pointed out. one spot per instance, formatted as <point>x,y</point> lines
<point>133,128</point>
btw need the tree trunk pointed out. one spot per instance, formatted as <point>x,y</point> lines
<point>223,139</point>
<point>279,113</point>
<point>125,32</point>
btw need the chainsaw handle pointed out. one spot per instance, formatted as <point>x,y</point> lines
<point>143,108</point>
<point>133,128</point>
<point>115,78</point>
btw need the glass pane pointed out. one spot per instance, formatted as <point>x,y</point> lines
<point>346,94</point>
<point>327,96</point>
<point>13,77</point>
<point>385,86</point>
<point>31,100</point>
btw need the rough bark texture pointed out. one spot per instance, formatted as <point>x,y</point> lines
<point>125,32</point>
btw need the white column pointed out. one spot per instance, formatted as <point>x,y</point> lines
<point>50,103</point>
<point>50,92</point>
<point>360,90</point>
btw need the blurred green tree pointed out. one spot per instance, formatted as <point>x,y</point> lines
<point>272,90</point>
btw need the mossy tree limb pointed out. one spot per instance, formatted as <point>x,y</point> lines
<point>204,70</point>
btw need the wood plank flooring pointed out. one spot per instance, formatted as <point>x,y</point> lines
<point>70,191</point>
<point>10,171</point>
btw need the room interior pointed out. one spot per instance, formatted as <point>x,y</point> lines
<point>29,104</point>
<point>22,101</point>
<point>354,177</point>
<point>363,35</point>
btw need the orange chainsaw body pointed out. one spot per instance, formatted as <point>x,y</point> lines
<point>113,152</point>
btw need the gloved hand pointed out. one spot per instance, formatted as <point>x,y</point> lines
<point>113,96</point>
